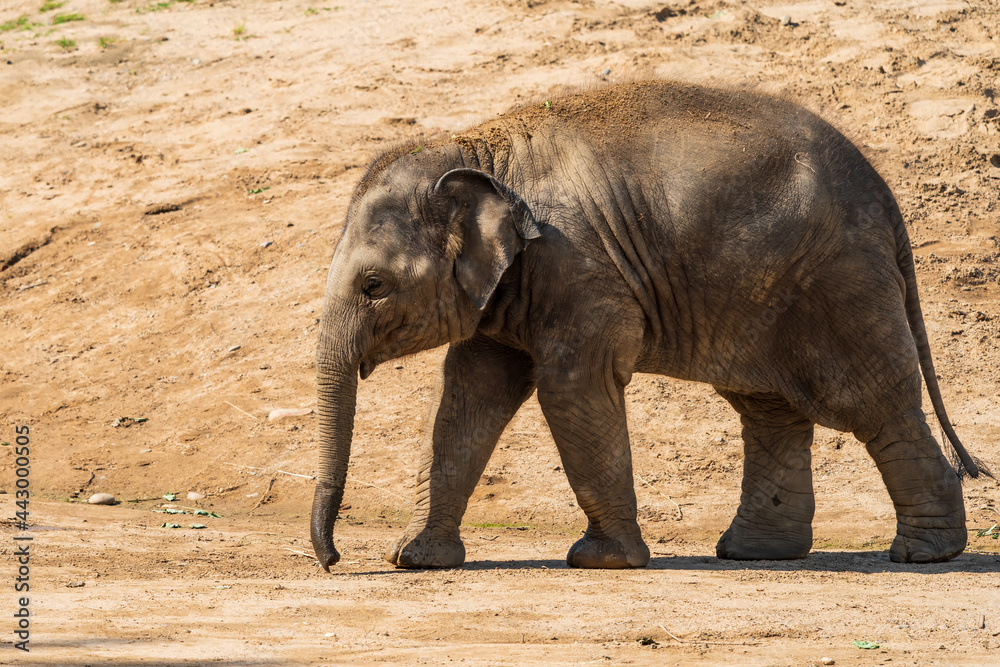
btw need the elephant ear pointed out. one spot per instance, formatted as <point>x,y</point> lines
<point>488,224</point>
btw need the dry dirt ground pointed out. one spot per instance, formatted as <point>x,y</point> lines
<point>173,177</point>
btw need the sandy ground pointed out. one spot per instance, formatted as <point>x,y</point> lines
<point>173,177</point>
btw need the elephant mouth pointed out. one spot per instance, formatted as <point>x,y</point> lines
<point>366,368</point>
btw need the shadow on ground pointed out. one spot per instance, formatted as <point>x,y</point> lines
<point>867,562</point>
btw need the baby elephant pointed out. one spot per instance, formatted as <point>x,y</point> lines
<point>721,236</point>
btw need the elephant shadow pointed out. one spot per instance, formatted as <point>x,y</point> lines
<point>862,562</point>
<point>865,562</point>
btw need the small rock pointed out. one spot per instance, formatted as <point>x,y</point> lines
<point>828,661</point>
<point>399,367</point>
<point>195,61</point>
<point>76,584</point>
<point>607,71</point>
<point>102,499</point>
<point>267,244</point>
<point>145,451</point>
<point>786,20</point>
<point>995,160</point>
<point>252,495</point>
<point>233,348</point>
<point>283,413</point>
<point>194,495</point>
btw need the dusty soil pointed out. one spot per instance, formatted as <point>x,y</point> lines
<point>173,177</point>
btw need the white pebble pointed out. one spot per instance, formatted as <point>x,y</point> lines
<point>282,413</point>
<point>194,495</point>
<point>102,499</point>
<point>828,661</point>
<point>785,20</point>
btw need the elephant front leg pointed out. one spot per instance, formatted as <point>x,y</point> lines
<point>774,519</point>
<point>926,491</point>
<point>589,427</point>
<point>483,385</point>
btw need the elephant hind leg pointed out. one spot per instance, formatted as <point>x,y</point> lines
<point>774,519</point>
<point>925,490</point>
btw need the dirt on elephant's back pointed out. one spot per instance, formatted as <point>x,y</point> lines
<point>176,176</point>
<point>619,116</point>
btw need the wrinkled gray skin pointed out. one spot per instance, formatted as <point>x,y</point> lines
<point>722,237</point>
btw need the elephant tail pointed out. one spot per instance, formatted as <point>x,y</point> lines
<point>915,317</point>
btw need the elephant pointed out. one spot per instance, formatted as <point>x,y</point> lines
<point>719,235</point>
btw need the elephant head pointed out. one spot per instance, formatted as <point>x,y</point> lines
<point>423,250</point>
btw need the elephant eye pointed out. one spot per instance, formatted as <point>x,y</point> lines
<point>372,286</point>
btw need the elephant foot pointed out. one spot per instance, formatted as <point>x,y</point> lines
<point>927,494</point>
<point>424,549</point>
<point>739,543</point>
<point>931,546</point>
<point>608,553</point>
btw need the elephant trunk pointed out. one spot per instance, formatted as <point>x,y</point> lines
<point>337,389</point>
